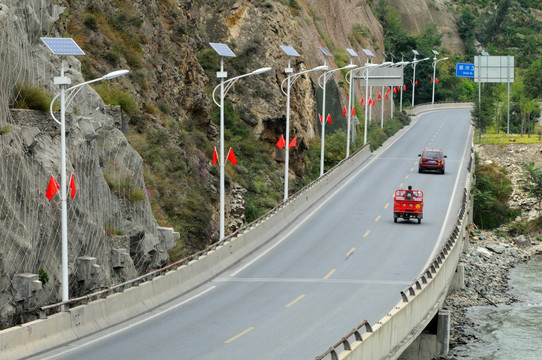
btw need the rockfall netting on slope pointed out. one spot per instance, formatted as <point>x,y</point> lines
<point>112,235</point>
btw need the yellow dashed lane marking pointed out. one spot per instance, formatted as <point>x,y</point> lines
<point>406,177</point>
<point>239,335</point>
<point>378,218</point>
<point>329,274</point>
<point>350,252</point>
<point>366,233</point>
<point>387,206</point>
<point>296,300</point>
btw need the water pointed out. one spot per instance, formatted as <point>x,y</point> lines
<point>510,331</point>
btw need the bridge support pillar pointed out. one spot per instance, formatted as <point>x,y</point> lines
<point>433,341</point>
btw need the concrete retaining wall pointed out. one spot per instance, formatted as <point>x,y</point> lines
<point>39,335</point>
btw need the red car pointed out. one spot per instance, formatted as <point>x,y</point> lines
<point>432,160</point>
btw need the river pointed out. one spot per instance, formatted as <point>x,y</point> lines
<point>510,331</point>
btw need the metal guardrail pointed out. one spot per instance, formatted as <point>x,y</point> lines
<point>344,341</point>
<point>56,307</point>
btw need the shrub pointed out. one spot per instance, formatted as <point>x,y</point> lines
<point>114,96</point>
<point>491,193</point>
<point>43,276</point>
<point>31,97</point>
<point>5,129</point>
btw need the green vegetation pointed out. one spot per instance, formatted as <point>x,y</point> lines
<point>113,96</point>
<point>491,193</point>
<point>5,129</point>
<point>533,183</point>
<point>43,276</point>
<point>31,97</point>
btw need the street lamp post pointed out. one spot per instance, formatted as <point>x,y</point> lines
<point>435,61</point>
<point>67,47</point>
<point>322,85</point>
<point>290,79</point>
<point>414,63</point>
<point>350,80</point>
<point>225,85</point>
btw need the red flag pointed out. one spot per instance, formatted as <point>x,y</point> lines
<point>281,142</point>
<point>389,89</point>
<point>362,101</point>
<point>416,82</point>
<point>320,116</point>
<point>395,90</point>
<point>404,87</point>
<point>386,96</point>
<point>431,80</point>
<point>52,188</point>
<point>329,119</point>
<point>344,111</point>
<point>370,101</point>
<point>293,142</point>
<point>215,156</point>
<point>437,80</point>
<point>354,111</point>
<point>231,157</point>
<point>379,96</point>
<point>72,186</point>
<point>374,102</point>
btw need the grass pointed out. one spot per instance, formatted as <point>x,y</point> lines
<point>503,138</point>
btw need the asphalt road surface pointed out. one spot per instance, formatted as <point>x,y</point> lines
<point>340,263</point>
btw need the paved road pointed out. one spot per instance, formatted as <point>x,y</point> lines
<point>342,262</point>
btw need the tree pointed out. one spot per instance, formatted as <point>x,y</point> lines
<point>483,112</point>
<point>533,182</point>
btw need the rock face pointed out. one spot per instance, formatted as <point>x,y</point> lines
<point>109,215</point>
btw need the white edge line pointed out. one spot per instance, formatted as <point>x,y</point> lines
<point>77,347</point>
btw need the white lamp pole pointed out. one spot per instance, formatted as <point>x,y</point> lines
<point>414,63</point>
<point>290,79</point>
<point>63,82</point>
<point>435,61</point>
<point>225,86</point>
<point>322,85</point>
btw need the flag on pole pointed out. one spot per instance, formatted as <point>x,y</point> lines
<point>231,157</point>
<point>404,87</point>
<point>52,188</point>
<point>215,156</point>
<point>437,80</point>
<point>72,186</point>
<point>395,90</point>
<point>387,96</point>
<point>379,95</point>
<point>320,116</point>
<point>328,119</point>
<point>344,111</point>
<point>389,89</point>
<point>281,142</point>
<point>293,142</point>
<point>353,111</point>
<point>416,82</point>
<point>362,101</point>
<point>431,80</point>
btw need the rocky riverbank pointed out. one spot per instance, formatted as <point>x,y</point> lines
<point>489,256</point>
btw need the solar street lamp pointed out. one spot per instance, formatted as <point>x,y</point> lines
<point>290,79</point>
<point>414,63</point>
<point>322,80</point>
<point>435,61</point>
<point>225,85</point>
<point>67,47</point>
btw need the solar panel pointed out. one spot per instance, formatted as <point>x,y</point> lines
<point>62,46</point>
<point>222,49</point>
<point>415,52</point>
<point>352,52</point>
<point>435,52</point>
<point>368,53</point>
<point>290,51</point>
<point>326,53</point>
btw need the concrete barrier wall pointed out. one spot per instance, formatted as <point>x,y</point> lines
<point>39,335</point>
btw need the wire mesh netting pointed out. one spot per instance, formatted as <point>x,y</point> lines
<point>112,235</point>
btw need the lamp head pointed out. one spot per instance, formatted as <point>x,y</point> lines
<point>260,71</point>
<point>115,74</point>
<point>322,67</point>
